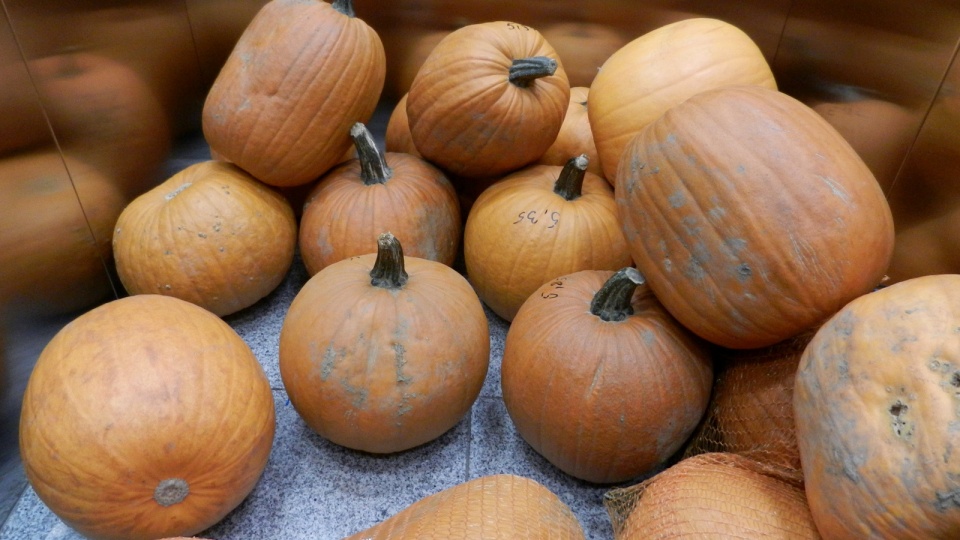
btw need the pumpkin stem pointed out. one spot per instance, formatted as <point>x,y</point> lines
<point>524,71</point>
<point>388,271</point>
<point>612,302</point>
<point>345,7</point>
<point>373,164</point>
<point>569,184</point>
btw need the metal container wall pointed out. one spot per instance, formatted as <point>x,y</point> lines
<point>96,95</point>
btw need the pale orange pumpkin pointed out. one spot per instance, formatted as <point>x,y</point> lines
<point>488,99</point>
<point>301,74</point>
<point>394,191</point>
<point>536,224</point>
<point>599,379</point>
<point>662,68</point>
<point>145,417</point>
<point>211,234</point>
<point>382,352</point>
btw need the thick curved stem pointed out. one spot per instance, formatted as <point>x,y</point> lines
<point>569,184</point>
<point>373,164</point>
<point>524,71</point>
<point>345,7</point>
<point>388,271</point>
<point>612,301</point>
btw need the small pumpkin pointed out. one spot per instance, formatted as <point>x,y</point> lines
<point>712,496</point>
<point>211,234</point>
<point>575,136</point>
<point>488,99</point>
<point>495,506</point>
<point>378,191</point>
<point>301,74</point>
<point>536,224</point>
<point>757,229</point>
<point>382,352</point>
<point>145,417</point>
<point>582,364</point>
<point>662,68</point>
<point>875,402</point>
<point>397,137</point>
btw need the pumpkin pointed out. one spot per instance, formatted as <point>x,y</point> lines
<point>145,417</point>
<point>575,136</point>
<point>55,233</point>
<point>488,99</point>
<point>383,352</point>
<point>397,137</point>
<point>536,224</point>
<point>758,228</point>
<point>711,496</point>
<point>751,409</point>
<point>586,364</point>
<point>876,405</point>
<point>495,506</point>
<point>376,192</point>
<point>300,76</point>
<point>583,47</point>
<point>662,68</point>
<point>211,234</point>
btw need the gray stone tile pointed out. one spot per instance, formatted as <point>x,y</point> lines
<point>497,448</point>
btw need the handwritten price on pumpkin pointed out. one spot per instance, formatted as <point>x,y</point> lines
<point>515,26</point>
<point>534,217</point>
<point>555,285</point>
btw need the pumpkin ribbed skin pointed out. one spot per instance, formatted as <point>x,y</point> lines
<point>662,68</point>
<point>397,137</point>
<point>135,399</point>
<point>210,234</point>
<point>876,411</point>
<point>520,234</point>
<point>498,506</point>
<point>716,497</point>
<point>468,118</point>
<point>751,217</point>
<point>575,136</point>
<point>384,369</point>
<point>344,213</point>
<point>603,400</point>
<point>300,75</point>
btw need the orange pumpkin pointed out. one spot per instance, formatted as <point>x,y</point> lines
<point>758,228</point>
<point>393,191</point>
<point>575,136</point>
<point>145,417</point>
<point>586,367</point>
<point>397,137</point>
<point>496,506</point>
<point>662,68</point>
<point>536,224</point>
<point>211,234</point>
<point>488,99</point>
<point>301,74</point>
<point>876,412</point>
<point>382,352</point>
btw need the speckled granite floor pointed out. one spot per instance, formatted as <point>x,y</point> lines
<point>314,489</point>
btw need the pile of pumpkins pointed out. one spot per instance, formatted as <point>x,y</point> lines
<point>630,231</point>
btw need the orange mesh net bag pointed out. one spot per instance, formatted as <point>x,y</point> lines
<point>751,409</point>
<point>497,507</point>
<point>711,496</point>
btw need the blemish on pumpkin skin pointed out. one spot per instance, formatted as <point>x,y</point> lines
<point>677,199</point>
<point>400,361</point>
<point>948,500</point>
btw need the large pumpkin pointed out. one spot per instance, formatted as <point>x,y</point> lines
<point>751,217</point>
<point>301,74</point>
<point>498,506</point>
<point>394,191</point>
<point>382,352</point>
<point>145,417</point>
<point>211,234</point>
<point>488,99</point>
<point>662,68</point>
<point>876,404</point>
<point>600,379</point>
<point>536,224</point>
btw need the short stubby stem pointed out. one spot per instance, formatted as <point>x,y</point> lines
<point>612,303</point>
<point>569,184</point>
<point>388,270</point>
<point>524,71</point>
